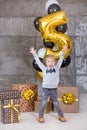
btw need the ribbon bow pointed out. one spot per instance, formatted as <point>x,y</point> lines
<point>13,107</point>
<point>50,71</point>
<point>29,94</point>
<point>68,98</point>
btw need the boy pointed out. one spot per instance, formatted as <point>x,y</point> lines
<point>50,81</point>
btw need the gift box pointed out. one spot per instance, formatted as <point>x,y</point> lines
<point>68,98</point>
<point>29,94</point>
<point>12,94</point>
<point>47,109</point>
<point>38,98</point>
<point>10,111</point>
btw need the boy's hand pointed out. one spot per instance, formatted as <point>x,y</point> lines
<point>65,48</point>
<point>32,50</point>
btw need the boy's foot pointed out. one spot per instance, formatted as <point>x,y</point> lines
<point>62,119</point>
<point>41,119</point>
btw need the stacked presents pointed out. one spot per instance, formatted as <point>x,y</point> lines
<point>20,99</point>
<point>24,98</point>
<point>29,94</point>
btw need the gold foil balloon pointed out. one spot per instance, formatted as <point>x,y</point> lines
<point>68,98</point>
<point>47,26</point>
<point>40,75</point>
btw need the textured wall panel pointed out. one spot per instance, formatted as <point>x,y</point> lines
<point>14,59</point>
<point>17,26</point>
<point>7,81</point>
<point>68,80</point>
<point>81,81</point>
<point>37,7</point>
<point>81,25</point>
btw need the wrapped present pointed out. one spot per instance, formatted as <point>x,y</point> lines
<point>68,98</point>
<point>38,98</point>
<point>47,109</point>
<point>10,111</point>
<point>11,94</point>
<point>29,94</point>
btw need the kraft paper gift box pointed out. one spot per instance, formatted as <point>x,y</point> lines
<point>39,98</point>
<point>47,109</point>
<point>29,94</point>
<point>10,111</point>
<point>37,104</point>
<point>68,97</point>
<point>11,94</point>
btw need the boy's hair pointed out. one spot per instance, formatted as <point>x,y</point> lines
<point>49,56</point>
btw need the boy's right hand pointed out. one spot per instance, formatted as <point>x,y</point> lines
<point>32,50</point>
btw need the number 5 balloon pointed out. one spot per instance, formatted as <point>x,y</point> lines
<point>48,30</point>
<point>48,27</point>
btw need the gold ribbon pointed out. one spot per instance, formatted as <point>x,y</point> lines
<point>68,98</point>
<point>13,107</point>
<point>29,94</point>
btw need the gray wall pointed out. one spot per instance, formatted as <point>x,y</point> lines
<point>17,32</point>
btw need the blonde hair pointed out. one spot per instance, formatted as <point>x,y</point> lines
<point>49,56</point>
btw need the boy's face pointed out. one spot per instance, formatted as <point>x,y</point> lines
<point>50,62</point>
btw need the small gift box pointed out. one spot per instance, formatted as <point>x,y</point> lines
<point>68,98</point>
<point>12,94</point>
<point>47,109</point>
<point>10,111</point>
<point>29,94</point>
<point>38,98</point>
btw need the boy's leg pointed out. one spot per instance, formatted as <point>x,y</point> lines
<point>45,94</point>
<point>54,97</point>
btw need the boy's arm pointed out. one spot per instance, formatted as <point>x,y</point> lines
<point>40,64</point>
<point>59,63</point>
<point>33,52</point>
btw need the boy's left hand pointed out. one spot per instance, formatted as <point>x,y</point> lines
<point>65,48</point>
